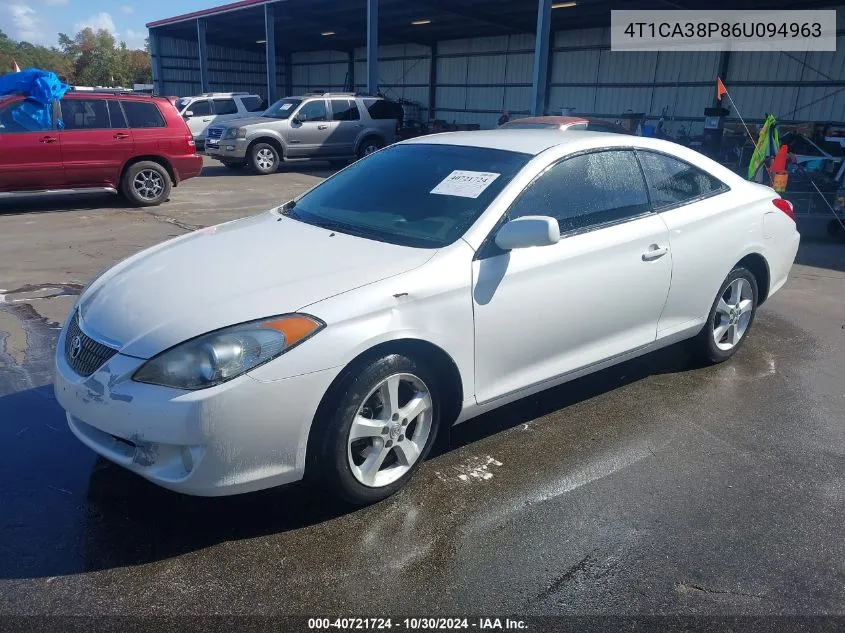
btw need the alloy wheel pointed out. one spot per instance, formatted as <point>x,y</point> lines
<point>148,184</point>
<point>390,430</point>
<point>265,159</point>
<point>733,314</point>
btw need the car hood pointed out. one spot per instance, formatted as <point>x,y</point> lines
<point>245,121</point>
<point>231,273</point>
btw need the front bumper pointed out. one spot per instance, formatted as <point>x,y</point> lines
<point>240,436</point>
<point>227,149</point>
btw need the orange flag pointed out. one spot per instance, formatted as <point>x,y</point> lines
<point>720,89</point>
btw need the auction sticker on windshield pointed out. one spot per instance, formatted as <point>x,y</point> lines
<point>466,184</point>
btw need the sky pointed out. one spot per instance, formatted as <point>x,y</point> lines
<point>41,21</point>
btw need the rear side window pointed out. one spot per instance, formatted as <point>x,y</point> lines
<point>586,191</point>
<point>382,109</point>
<point>672,182</point>
<point>85,114</point>
<point>142,114</point>
<point>225,106</point>
<point>253,104</point>
<point>345,110</point>
<point>116,115</point>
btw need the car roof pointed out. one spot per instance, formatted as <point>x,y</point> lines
<point>522,141</point>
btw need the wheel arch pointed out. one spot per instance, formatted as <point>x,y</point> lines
<point>369,134</point>
<point>759,267</point>
<point>153,158</point>
<point>450,381</point>
<point>270,140</point>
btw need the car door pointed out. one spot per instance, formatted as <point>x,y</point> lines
<point>201,117</point>
<point>310,128</point>
<point>30,151</point>
<point>596,294</point>
<point>93,150</point>
<point>347,119</point>
<point>702,227</point>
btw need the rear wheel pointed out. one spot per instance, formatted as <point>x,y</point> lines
<point>369,145</point>
<point>146,184</point>
<point>730,318</point>
<point>377,430</point>
<point>264,158</point>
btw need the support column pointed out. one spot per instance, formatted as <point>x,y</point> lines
<point>155,60</point>
<point>270,50</point>
<point>541,57</point>
<point>203,56</point>
<point>350,71</point>
<point>288,75</point>
<point>432,84</point>
<point>372,46</point>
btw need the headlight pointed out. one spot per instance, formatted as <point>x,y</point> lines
<point>219,356</point>
<point>236,132</point>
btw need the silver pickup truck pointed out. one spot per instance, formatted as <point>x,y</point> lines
<point>334,127</point>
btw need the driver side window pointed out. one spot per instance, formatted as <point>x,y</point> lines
<point>586,191</point>
<point>313,111</point>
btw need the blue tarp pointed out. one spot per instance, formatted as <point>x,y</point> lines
<point>41,88</point>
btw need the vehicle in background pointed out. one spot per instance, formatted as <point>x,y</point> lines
<point>563,123</point>
<point>98,141</point>
<point>332,337</point>
<point>334,127</point>
<point>211,107</point>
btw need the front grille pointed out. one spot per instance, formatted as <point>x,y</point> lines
<point>85,355</point>
<point>214,133</point>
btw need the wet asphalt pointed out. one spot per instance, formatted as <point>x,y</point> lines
<point>658,486</point>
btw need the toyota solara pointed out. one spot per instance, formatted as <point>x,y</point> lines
<point>331,338</point>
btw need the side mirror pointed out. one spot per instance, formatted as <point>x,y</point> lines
<point>527,231</point>
<point>296,120</point>
<point>187,114</point>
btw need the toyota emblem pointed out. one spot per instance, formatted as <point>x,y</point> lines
<point>75,347</point>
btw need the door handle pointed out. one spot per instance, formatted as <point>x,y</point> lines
<point>48,139</point>
<point>121,135</point>
<point>322,127</point>
<point>654,252</point>
<point>206,120</point>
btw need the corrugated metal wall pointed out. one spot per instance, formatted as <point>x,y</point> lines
<point>477,78</point>
<point>230,69</point>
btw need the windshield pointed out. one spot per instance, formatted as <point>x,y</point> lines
<point>417,195</point>
<point>282,109</point>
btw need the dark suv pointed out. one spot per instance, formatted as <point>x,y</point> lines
<point>135,144</point>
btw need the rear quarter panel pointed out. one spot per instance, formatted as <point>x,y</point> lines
<point>707,239</point>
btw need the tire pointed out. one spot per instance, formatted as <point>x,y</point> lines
<point>264,158</point>
<point>395,442</point>
<point>730,315</point>
<point>146,184</point>
<point>235,166</point>
<point>369,145</point>
<point>338,164</point>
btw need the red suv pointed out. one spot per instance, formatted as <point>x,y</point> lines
<point>137,145</point>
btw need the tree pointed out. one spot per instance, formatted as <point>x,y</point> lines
<point>88,58</point>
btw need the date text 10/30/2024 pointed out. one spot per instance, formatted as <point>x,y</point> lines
<point>416,624</point>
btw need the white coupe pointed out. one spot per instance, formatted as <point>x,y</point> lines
<point>331,338</point>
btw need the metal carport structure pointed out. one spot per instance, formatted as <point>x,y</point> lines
<point>468,60</point>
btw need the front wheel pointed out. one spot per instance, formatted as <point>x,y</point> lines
<point>146,184</point>
<point>730,318</point>
<point>378,429</point>
<point>264,158</point>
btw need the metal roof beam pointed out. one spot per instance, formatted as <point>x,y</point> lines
<point>509,25</point>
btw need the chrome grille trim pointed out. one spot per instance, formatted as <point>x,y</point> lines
<point>92,354</point>
<point>214,133</point>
